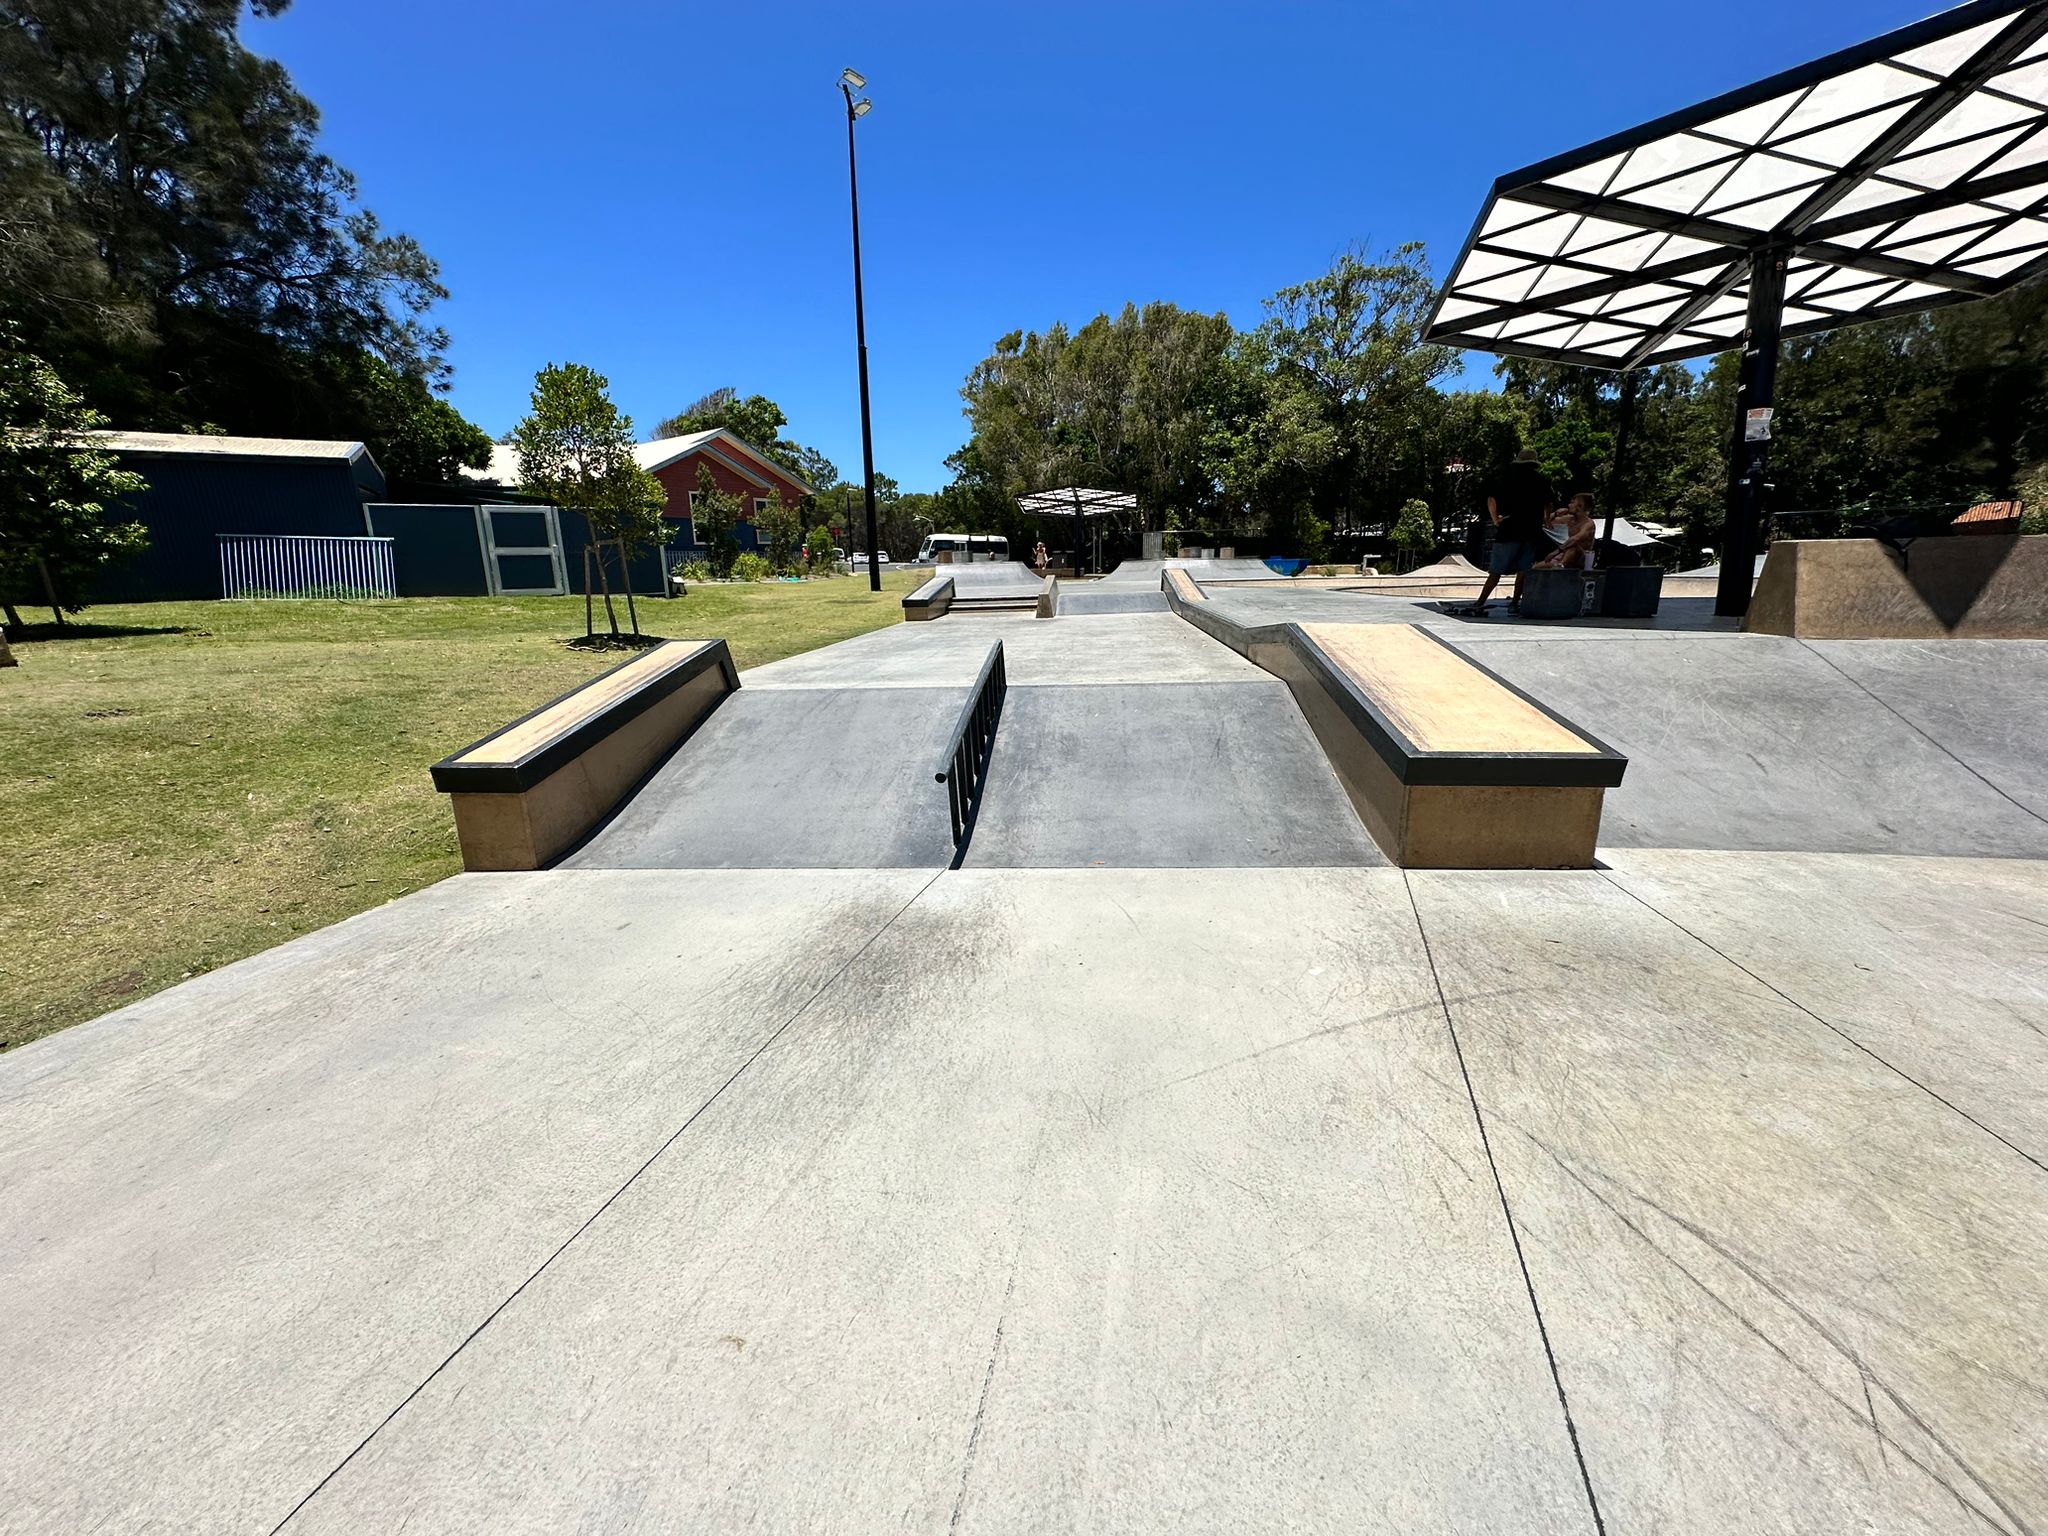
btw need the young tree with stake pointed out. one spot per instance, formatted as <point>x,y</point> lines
<point>577,450</point>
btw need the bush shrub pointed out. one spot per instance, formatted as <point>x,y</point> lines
<point>751,567</point>
<point>1169,544</point>
<point>694,570</point>
<point>819,547</point>
<point>2033,494</point>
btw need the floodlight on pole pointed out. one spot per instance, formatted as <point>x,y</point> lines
<point>849,82</point>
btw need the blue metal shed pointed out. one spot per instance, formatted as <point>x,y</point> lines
<point>201,487</point>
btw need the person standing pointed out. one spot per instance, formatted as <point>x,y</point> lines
<point>1518,503</point>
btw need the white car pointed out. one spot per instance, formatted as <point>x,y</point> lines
<point>856,561</point>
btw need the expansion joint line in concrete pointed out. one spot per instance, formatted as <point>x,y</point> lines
<point>1507,1211</point>
<point>1790,1001</point>
<point>471,1337</point>
<point>1885,704</point>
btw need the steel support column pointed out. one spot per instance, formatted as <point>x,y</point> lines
<point>1749,459</point>
<point>1631,382</point>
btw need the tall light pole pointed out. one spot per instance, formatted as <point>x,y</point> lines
<point>856,109</point>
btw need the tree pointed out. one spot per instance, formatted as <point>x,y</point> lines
<point>58,490</point>
<point>756,421</point>
<point>1122,404</point>
<point>1351,339</point>
<point>191,256</point>
<point>713,514</point>
<point>1414,532</point>
<point>411,431</point>
<point>780,528</point>
<point>577,450</point>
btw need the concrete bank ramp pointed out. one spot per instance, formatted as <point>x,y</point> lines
<point>794,778</point>
<point>1079,599</point>
<point>995,581</point>
<point>1163,775</point>
<point>1765,743</point>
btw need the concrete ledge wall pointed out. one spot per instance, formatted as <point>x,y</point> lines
<point>1502,809</point>
<point>1049,598</point>
<point>1983,587</point>
<point>929,601</point>
<point>527,793</point>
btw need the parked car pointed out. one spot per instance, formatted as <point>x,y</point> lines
<point>856,561</point>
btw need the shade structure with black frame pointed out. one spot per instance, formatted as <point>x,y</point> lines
<point>1897,176</point>
<point>1079,502</point>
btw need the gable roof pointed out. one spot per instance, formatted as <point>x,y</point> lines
<point>721,445</point>
<point>729,450</point>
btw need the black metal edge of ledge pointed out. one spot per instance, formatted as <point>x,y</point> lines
<point>453,776</point>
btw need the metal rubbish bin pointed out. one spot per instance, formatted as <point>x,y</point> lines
<point>1632,591</point>
<point>1560,594</point>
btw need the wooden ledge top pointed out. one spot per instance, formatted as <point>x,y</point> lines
<point>518,756</point>
<point>1438,698</point>
<point>1437,717</point>
<point>1184,586</point>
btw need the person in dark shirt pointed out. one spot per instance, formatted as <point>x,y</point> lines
<point>1517,503</point>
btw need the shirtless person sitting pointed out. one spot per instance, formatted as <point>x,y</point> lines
<point>1576,553</point>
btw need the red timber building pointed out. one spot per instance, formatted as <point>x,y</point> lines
<point>738,467</point>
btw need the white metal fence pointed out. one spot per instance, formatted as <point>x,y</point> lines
<point>254,565</point>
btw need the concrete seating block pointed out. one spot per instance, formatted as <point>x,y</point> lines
<point>1988,587</point>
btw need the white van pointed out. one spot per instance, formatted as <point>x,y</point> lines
<point>963,547</point>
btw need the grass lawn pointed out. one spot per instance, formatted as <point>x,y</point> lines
<point>188,783</point>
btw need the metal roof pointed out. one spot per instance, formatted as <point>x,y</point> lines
<point>1076,501</point>
<point>206,445</point>
<point>1905,173</point>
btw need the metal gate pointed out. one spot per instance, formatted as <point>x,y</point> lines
<point>523,551</point>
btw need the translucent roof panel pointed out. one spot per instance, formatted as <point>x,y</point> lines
<point>1906,173</point>
<point>1077,501</point>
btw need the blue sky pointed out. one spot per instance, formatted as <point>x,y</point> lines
<point>659,189</point>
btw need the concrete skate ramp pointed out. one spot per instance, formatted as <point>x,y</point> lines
<point>1764,743</point>
<point>1079,599</point>
<point>1145,573</point>
<point>1207,775</point>
<point>794,778</point>
<point>991,579</point>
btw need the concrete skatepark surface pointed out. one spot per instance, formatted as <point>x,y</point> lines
<point>1704,1192</point>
